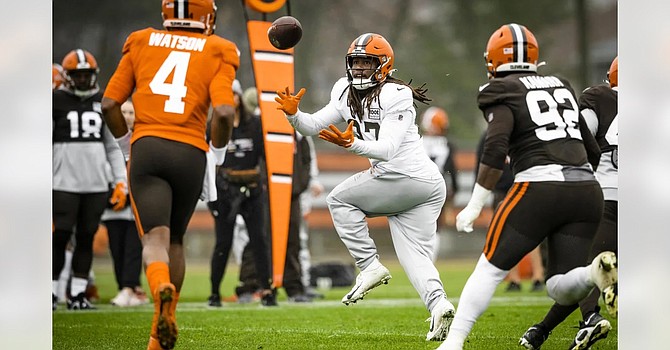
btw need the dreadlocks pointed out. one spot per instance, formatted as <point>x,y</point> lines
<point>355,103</point>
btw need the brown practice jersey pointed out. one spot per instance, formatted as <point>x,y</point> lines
<point>599,108</point>
<point>545,143</point>
<point>175,76</point>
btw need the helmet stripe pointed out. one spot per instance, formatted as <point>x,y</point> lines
<point>362,41</point>
<point>520,43</point>
<point>81,57</point>
<point>181,8</point>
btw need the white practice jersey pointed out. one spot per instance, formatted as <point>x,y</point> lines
<point>437,149</point>
<point>387,134</point>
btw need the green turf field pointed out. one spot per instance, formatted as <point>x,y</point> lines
<point>391,317</point>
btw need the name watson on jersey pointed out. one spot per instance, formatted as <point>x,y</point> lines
<point>178,42</point>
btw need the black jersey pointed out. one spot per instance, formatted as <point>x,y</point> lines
<point>83,145</point>
<point>76,119</point>
<point>602,100</point>
<point>598,106</point>
<point>245,148</point>
<point>544,142</point>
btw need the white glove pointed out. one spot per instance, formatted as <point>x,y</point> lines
<point>467,216</point>
<point>219,153</point>
<point>124,144</point>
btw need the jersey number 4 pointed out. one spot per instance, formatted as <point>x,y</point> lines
<point>176,61</point>
<point>543,108</point>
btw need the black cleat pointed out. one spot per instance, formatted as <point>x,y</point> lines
<point>79,302</point>
<point>534,337</point>
<point>595,328</point>
<point>214,300</point>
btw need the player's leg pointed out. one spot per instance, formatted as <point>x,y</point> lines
<point>91,207</point>
<point>414,232</point>
<point>349,202</point>
<point>224,227</point>
<point>252,212</point>
<point>594,326</point>
<point>64,206</point>
<point>522,209</point>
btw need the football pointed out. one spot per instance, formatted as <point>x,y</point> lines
<point>285,32</point>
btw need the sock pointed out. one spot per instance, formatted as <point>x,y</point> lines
<point>78,286</point>
<point>571,287</point>
<point>557,314</point>
<point>157,272</point>
<point>475,298</point>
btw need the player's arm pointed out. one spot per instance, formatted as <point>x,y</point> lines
<point>494,152</point>
<point>391,134</point>
<point>222,125</point>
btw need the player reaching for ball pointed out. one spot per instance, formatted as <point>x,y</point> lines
<point>402,184</point>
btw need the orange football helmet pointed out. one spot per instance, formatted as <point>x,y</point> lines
<point>56,76</point>
<point>370,45</point>
<point>613,73</point>
<point>80,70</point>
<point>435,121</point>
<point>199,14</point>
<point>511,48</point>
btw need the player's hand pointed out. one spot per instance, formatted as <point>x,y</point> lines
<point>289,103</point>
<point>119,196</point>
<point>344,139</point>
<point>466,218</point>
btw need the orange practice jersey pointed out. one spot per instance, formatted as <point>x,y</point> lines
<point>175,75</point>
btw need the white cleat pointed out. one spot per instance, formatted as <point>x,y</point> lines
<point>373,276</point>
<point>440,320</point>
<point>604,272</point>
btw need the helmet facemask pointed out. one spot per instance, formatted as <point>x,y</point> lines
<point>366,72</point>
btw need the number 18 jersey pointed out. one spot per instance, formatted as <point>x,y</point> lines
<point>545,143</point>
<point>175,74</point>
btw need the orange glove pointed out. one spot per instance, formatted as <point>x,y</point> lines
<point>119,196</point>
<point>288,103</point>
<point>344,139</point>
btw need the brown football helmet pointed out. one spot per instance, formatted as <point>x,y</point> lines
<point>511,47</point>
<point>374,46</point>
<point>80,71</point>
<point>198,14</point>
<point>613,73</point>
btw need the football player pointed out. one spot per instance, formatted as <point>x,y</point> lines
<point>535,120</point>
<point>402,184</point>
<point>598,105</point>
<point>172,74</point>
<point>434,128</point>
<point>82,149</point>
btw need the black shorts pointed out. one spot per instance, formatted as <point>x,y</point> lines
<point>165,181</point>
<point>567,214</point>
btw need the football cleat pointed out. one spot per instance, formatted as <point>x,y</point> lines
<point>373,276</point>
<point>269,297</point>
<point>440,320</point>
<point>79,302</point>
<point>594,329</point>
<point>167,322</point>
<point>604,274</point>
<point>214,300</point>
<point>611,299</point>
<point>534,337</point>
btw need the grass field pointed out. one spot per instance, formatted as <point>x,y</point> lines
<point>391,317</point>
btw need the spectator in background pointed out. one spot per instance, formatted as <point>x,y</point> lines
<point>82,149</point>
<point>124,242</point>
<point>434,129</point>
<point>240,190</point>
<point>535,256</point>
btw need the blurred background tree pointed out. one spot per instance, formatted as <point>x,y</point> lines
<point>439,42</point>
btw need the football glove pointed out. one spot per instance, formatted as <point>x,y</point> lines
<point>344,139</point>
<point>289,103</point>
<point>467,216</point>
<point>119,196</point>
